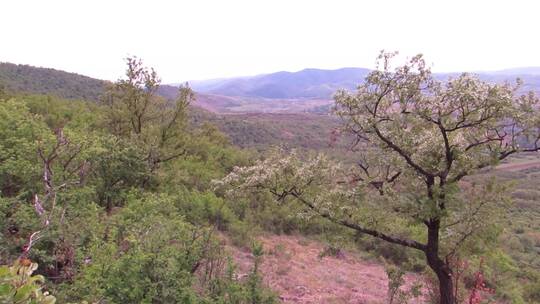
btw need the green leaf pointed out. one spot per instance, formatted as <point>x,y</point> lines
<point>4,271</point>
<point>23,293</point>
<point>5,290</point>
<point>36,279</point>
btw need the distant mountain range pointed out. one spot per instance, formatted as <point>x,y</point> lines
<point>308,83</point>
<point>322,84</point>
<point>308,90</point>
<point>525,71</point>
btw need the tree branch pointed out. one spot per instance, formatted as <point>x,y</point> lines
<point>402,153</point>
<point>389,238</point>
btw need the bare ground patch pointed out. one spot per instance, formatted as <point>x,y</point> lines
<point>292,267</point>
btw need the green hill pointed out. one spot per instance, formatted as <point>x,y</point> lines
<point>29,79</point>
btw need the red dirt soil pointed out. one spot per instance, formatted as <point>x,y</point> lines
<point>292,267</point>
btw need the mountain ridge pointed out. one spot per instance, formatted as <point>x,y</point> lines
<point>314,83</point>
<point>307,90</point>
<point>515,71</point>
<point>306,83</point>
<point>40,80</point>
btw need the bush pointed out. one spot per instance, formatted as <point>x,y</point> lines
<point>149,255</point>
<point>230,290</point>
<point>18,285</point>
<point>396,292</point>
<point>532,292</point>
<point>241,234</point>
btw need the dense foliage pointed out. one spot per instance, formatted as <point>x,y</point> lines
<point>18,285</point>
<point>25,78</point>
<point>418,139</point>
<point>112,200</point>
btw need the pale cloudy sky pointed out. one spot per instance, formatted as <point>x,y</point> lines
<point>203,39</point>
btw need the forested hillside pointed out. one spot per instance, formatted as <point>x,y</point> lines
<point>25,78</point>
<point>306,91</point>
<point>111,204</point>
<point>132,197</point>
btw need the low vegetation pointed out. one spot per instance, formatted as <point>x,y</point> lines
<point>129,197</point>
<point>112,200</point>
<point>419,140</point>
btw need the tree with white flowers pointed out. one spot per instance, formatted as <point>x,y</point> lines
<point>418,139</point>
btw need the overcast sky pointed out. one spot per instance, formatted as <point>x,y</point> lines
<point>202,39</point>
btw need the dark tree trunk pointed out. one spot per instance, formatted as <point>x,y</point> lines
<point>446,288</point>
<point>444,276</point>
<point>441,269</point>
<point>109,205</point>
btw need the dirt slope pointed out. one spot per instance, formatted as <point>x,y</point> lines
<point>293,268</point>
<point>519,165</point>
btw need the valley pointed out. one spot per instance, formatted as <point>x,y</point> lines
<point>268,152</point>
<point>255,115</point>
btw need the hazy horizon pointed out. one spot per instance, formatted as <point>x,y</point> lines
<point>198,40</point>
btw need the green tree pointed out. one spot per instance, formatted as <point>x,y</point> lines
<point>71,198</point>
<point>136,112</point>
<point>417,139</point>
<point>19,138</point>
<point>117,167</point>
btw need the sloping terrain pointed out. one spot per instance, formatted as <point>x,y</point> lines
<point>25,78</point>
<point>36,80</point>
<point>308,83</point>
<point>322,84</point>
<point>521,239</point>
<point>261,130</point>
<point>518,71</point>
<point>309,90</point>
<point>293,267</point>
<point>242,104</point>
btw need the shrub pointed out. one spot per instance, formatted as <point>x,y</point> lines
<point>18,285</point>
<point>396,292</point>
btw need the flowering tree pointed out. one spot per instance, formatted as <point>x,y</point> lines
<point>418,139</point>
